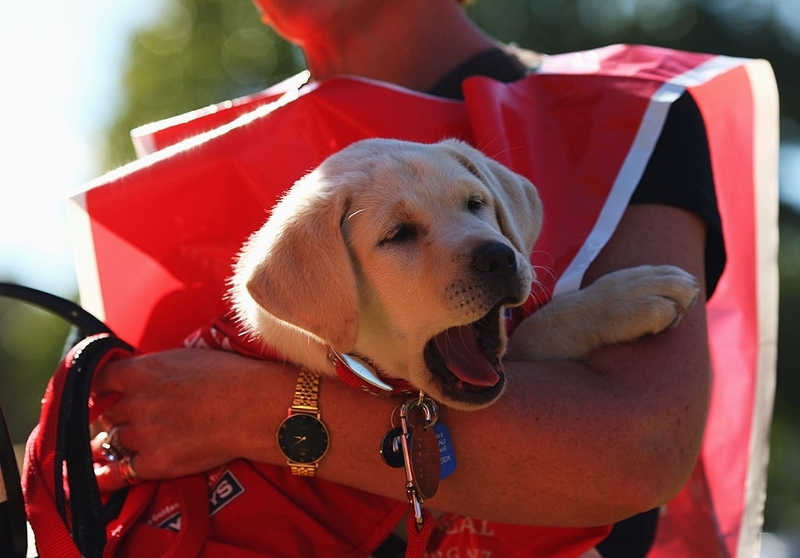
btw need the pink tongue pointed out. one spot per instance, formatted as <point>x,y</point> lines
<point>464,358</point>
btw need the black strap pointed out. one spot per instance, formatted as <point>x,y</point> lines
<point>66,309</point>
<point>73,449</point>
<point>87,514</point>
<point>13,531</point>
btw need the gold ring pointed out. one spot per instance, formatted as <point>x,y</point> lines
<point>126,471</point>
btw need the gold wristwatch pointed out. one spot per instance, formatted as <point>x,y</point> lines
<point>302,437</point>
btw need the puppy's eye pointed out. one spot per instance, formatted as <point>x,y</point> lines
<point>400,233</point>
<point>475,204</point>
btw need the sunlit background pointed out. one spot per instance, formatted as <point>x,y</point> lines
<point>60,63</point>
<point>63,65</point>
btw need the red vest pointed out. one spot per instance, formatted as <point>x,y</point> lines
<point>155,240</point>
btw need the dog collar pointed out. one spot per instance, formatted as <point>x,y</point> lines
<point>356,373</point>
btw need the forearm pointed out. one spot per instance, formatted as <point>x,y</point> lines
<point>558,438</point>
<point>584,447</point>
<point>566,445</point>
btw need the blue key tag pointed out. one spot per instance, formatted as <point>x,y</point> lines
<point>447,458</point>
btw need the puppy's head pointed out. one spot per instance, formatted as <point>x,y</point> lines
<point>403,254</point>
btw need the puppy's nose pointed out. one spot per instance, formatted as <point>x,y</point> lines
<point>495,258</point>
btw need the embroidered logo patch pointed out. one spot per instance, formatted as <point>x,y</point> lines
<point>223,492</point>
<point>173,523</point>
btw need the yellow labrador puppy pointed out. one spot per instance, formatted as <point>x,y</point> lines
<point>404,255</point>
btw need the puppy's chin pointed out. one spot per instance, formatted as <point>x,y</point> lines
<point>463,366</point>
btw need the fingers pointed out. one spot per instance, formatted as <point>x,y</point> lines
<point>114,467</point>
<point>108,478</point>
<point>112,448</point>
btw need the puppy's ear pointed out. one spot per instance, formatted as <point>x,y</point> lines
<point>297,267</point>
<point>518,207</point>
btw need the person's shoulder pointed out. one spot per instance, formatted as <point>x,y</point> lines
<point>530,59</point>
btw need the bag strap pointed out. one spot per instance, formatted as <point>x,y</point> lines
<point>13,533</point>
<point>71,443</point>
<point>75,524</point>
<point>193,494</point>
<point>69,311</point>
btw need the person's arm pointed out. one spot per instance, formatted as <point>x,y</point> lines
<point>569,443</point>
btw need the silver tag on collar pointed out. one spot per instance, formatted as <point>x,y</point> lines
<point>363,371</point>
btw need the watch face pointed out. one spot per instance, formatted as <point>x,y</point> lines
<point>303,438</point>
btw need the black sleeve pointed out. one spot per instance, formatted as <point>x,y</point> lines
<point>679,174</point>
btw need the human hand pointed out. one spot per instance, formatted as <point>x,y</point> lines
<point>179,412</point>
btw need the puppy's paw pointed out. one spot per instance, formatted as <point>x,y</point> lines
<point>656,297</point>
<point>619,307</point>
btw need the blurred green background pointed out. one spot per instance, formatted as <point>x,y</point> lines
<point>201,52</point>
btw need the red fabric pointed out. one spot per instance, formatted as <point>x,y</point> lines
<point>255,510</point>
<point>717,494</point>
<point>581,129</point>
<point>418,535</point>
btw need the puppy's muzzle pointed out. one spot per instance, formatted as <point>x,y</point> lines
<point>466,360</point>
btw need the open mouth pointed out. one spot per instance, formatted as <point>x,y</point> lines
<point>466,360</point>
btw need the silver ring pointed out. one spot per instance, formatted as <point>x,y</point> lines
<point>113,450</point>
<point>126,471</point>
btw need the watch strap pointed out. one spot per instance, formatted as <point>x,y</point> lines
<point>306,391</point>
<point>300,470</point>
